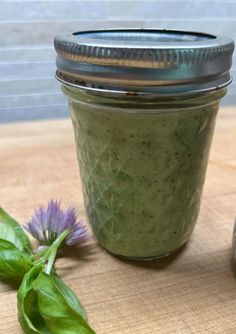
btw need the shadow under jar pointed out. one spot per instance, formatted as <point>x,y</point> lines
<point>143,105</point>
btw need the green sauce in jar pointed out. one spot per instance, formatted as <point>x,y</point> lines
<point>143,105</point>
<point>143,173</point>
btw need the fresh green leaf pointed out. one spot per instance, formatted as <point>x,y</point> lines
<point>69,295</point>
<point>46,307</point>
<point>27,304</point>
<point>11,231</point>
<point>59,316</point>
<point>13,263</point>
<point>31,310</point>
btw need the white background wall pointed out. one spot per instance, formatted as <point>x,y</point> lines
<point>28,89</point>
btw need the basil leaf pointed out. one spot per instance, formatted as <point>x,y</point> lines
<point>11,231</point>
<point>69,295</point>
<point>28,314</point>
<point>37,323</point>
<point>13,263</point>
<point>44,309</point>
<point>59,316</point>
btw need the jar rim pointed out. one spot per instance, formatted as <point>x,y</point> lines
<point>144,60</point>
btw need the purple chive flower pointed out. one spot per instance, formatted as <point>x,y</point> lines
<point>48,223</point>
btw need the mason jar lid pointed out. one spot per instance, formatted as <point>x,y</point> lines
<point>140,60</point>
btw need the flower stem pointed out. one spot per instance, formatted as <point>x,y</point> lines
<point>57,243</point>
<point>39,254</point>
<point>51,261</point>
<point>51,252</point>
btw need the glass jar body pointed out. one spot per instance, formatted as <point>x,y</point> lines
<point>142,162</point>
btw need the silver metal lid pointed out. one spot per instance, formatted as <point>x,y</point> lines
<point>157,61</point>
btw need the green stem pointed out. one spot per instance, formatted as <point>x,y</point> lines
<point>61,238</point>
<point>51,252</point>
<point>51,261</point>
<point>39,254</point>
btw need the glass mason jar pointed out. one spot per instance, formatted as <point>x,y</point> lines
<point>143,106</point>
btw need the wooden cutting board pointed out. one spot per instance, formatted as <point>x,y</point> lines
<point>191,292</point>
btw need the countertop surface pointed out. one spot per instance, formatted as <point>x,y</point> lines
<point>193,291</point>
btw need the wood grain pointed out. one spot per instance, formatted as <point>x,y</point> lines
<point>193,291</point>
